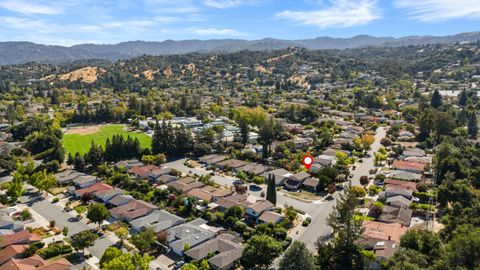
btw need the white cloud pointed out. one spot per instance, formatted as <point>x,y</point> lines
<point>215,32</point>
<point>336,13</point>
<point>30,8</point>
<point>223,4</point>
<point>440,10</point>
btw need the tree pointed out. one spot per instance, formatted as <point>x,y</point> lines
<point>109,254</point>
<point>145,240</point>
<point>260,251</point>
<point>98,213</point>
<point>83,239</point>
<point>128,261</point>
<point>436,100</point>
<point>65,231</point>
<point>189,266</point>
<point>244,132</point>
<point>463,98</point>
<point>266,136</point>
<point>346,231</point>
<point>15,187</point>
<point>79,162</point>
<point>43,180</point>
<point>94,156</point>
<point>271,190</point>
<point>297,257</point>
<point>472,125</point>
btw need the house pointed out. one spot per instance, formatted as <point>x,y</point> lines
<point>36,262</point>
<point>270,217</point>
<point>67,176</point>
<point>392,214</point>
<point>400,184</point>
<point>295,181</point>
<point>158,220</point>
<point>310,184</point>
<point>166,178</point>
<point>132,210</point>
<point>409,166</point>
<point>7,222</point>
<point>98,187</point>
<point>84,181</point>
<point>11,252</point>
<point>225,248</point>
<point>254,168</point>
<point>143,172</point>
<point>256,209</point>
<point>405,136</point>
<point>107,195</point>
<point>398,201</point>
<point>403,175</point>
<point>222,204</point>
<point>325,160</point>
<point>188,234</point>
<point>394,191</point>
<point>230,164</point>
<point>212,159</point>
<point>280,175</point>
<point>383,231</point>
<point>119,200</point>
<point>128,164</point>
<point>413,152</point>
<point>21,237</point>
<point>209,193</point>
<point>302,142</point>
<point>185,184</point>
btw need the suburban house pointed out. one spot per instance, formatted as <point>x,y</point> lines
<point>222,204</point>
<point>310,184</point>
<point>383,231</point>
<point>280,175</point>
<point>145,172</point>
<point>7,222</point>
<point>403,175</point>
<point>400,184</point>
<point>84,181</point>
<point>256,209</point>
<point>67,176</point>
<point>166,178</point>
<point>409,166</point>
<point>108,194</point>
<point>254,168</point>
<point>225,248</point>
<point>392,214</point>
<point>19,238</point>
<point>209,193</point>
<point>119,200</point>
<point>394,191</point>
<point>230,164</point>
<point>98,187</point>
<point>398,201</point>
<point>185,184</point>
<point>270,217</point>
<point>132,210</point>
<point>158,220</point>
<point>295,181</point>
<point>36,262</point>
<point>212,159</point>
<point>413,152</point>
<point>188,234</point>
<point>11,252</point>
<point>128,164</point>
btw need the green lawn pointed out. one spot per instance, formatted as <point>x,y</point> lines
<point>81,142</point>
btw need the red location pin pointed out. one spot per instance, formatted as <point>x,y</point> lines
<point>307,161</point>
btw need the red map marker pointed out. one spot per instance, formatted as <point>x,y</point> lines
<point>307,161</point>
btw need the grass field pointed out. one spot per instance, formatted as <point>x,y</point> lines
<point>81,142</point>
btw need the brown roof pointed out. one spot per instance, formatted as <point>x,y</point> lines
<point>97,187</point>
<point>133,209</point>
<point>233,200</point>
<point>10,252</point>
<point>400,184</point>
<point>200,194</point>
<point>36,262</point>
<point>392,214</point>
<point>408,165</point>
<point>223,246</point>
<point>185,184</point>
<point>232,163</point>
<point>311,182</point>
<point>383,231</point>
<point>261,206</point>
<point>270,216</point>
<point>21,237</point>
<point>143,170</point>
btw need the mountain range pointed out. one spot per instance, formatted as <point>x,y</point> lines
<point>15,52</point>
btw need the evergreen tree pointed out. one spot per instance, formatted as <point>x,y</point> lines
<point>95,155</point>
<point>79,162</point>
<point>472,125</point>
<point>463,98</point>
<point>244,132</point>
<point>297,257</point>
<point>271,190</point>
<point>436,100</point>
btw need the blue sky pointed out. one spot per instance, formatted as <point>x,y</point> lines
<point>68,22</point>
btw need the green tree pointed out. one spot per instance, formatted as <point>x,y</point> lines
<point>346,231</point>
<point>266,136</point>
<point>189,266</point>
<point>271,190</point>
<point>472,125</point>
<point>145,240</point>
<point>260,251</point>
<point>244,132</point>
<point>109,254</point>
<point>297,257</point>
<point>94,156</point>
<point>98,213</point>
<point>83,239</point>
<point>128,261</point>
<point>43,180</point>
<point>65,231</point>
<point>436,100</point>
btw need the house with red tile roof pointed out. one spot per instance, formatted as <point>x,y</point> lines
<point>98,187</point>
<point>143,172</point>
<point>132,210</point>
<point>21,237</point>
<point>36,262</point>
<point>12,251</point>
<point>409,166</point>
<point>408,185</point>
<point>383,231</point>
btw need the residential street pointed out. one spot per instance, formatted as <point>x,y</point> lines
<point>319,226</point>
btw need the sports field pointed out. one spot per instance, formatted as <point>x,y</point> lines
<point>79,139</point>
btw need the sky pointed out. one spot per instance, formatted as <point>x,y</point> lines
<point>69,22</point>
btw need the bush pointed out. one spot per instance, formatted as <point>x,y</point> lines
<point>305,223</point>
<point>374,189</point>
<point>358,191</point>
<point>364,180</point>
<point>285,245</point>
<point>55,200</point>
<point>54,250</point>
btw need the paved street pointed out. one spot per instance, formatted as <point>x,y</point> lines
<point>319,227</point>
<point>62,219</point>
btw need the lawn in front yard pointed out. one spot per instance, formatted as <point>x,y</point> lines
<point>81,142</point>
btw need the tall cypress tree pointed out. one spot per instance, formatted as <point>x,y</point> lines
<point>271,191</point>
<point>472,125</point>
<point>436,100</point>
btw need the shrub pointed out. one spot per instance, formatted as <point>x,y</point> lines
<point>54,250</point>
<point>55,200</point>
<point>285,245</point>
<point>364,180</point>
<point>374,189</point>
<point>358,191</point>
<point>305,223</point>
